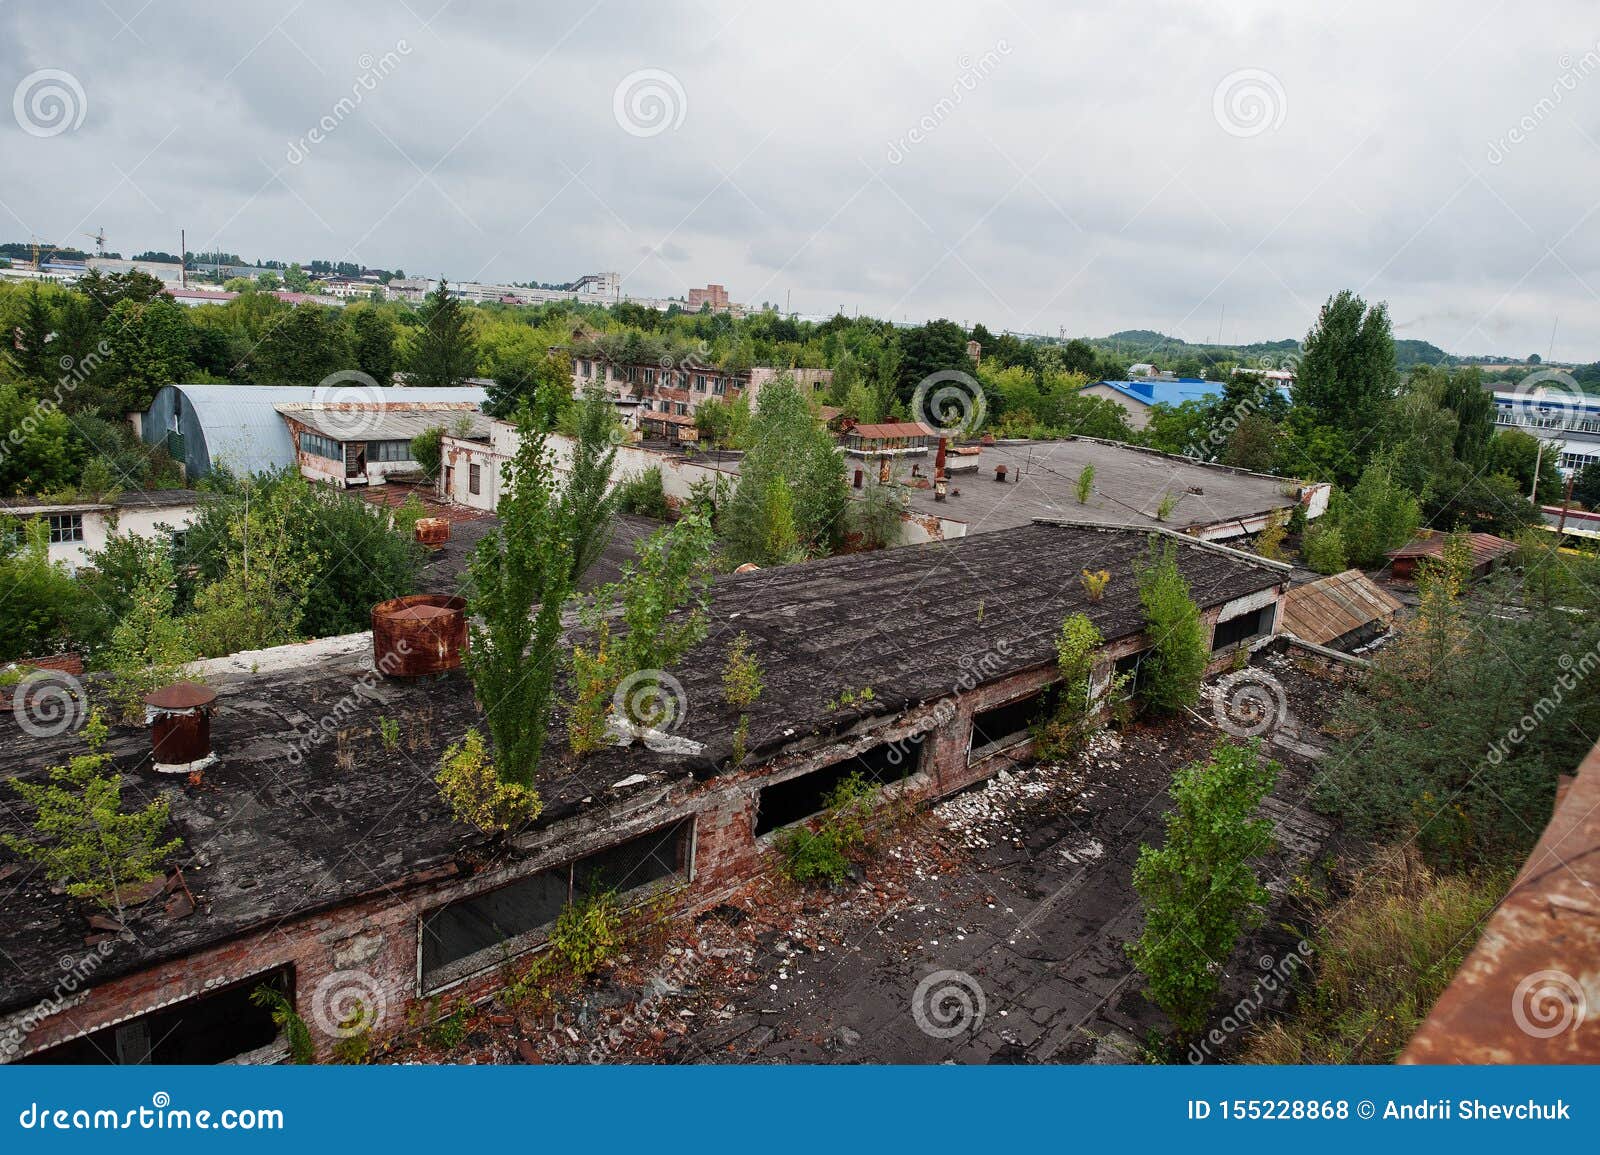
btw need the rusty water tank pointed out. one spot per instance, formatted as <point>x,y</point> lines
<point>180,724</point>
<point>419,634</point>
<point>432,532</point>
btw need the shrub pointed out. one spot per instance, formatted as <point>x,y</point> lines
<point>1085,484</point>
<point>1322,548</point>
<point>824,854</point>
<point>1076,647</point>
<point>1168,503</point>
<point>1179,653</point>
<point>644,495</point>
<point>741,675</point>
<point>82,837</point>
<point>425,450</point>
<point>295,1032</point>
<point>1382,956</point>
<point>468,783</point>
<point>1094,584</point>
<point>1200,891</point>
<point>588,932</point>
<point>1269,542</point>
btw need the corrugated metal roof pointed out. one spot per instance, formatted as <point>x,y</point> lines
<point>1327,609</point>
<point>892,429</point>
<point>366,423</point>
<point>1485,547</point>
<point>244,432</point>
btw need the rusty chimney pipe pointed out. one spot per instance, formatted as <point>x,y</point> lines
<point>939,483</point>
<point>858,479</point>
<point>1000,474</point>
<point>179,717</point>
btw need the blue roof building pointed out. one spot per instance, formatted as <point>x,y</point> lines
<point>1139,395</point>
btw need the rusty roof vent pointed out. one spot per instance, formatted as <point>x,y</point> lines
<point>419,634</point>
<point>432,532</point>
<point>179,717</point>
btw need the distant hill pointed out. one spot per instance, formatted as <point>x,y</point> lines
<point>1135,345</point>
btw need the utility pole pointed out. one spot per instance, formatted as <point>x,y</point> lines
<point>183,259</point>
<point>1566,501</point>
<point>1538,460</point>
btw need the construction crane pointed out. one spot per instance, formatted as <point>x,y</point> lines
<point>41,248</point>
<point>99,240</point>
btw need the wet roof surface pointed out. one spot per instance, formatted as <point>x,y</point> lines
<point>271,832</point>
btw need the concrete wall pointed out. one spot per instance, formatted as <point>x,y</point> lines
<point>1138,412</point>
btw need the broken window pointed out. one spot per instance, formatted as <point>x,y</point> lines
<point>474,478</point>
<point>1254,624</point>
<point>1003,726</point>
<point>785,803</point>
<point>475,933</point>
<point>216,1027</point>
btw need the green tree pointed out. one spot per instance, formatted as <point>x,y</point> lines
<point>306,345</point>
<point>148,647</point>
<point>1200,890</point>
<point>28,352</point>
<point>788,448</point>
<point>40,451</point>
<point>372,337</point>
<point>1178,655</point>
<point>38,598</point>
<point>1378,515</point>
<point>521,577</point>
<point>1347,372</point>
<point>148,348</point>
<point>82,836</point>
<point>444,351</point>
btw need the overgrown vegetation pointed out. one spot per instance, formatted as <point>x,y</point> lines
<point>522,576</point>
<point>295,1032</point>
<point>1200,890</point>
<point>1179,653</point>
<point>1381,957</point>
<point>825,854</point>
<point>1076,712</point>
<point>477,795</point>
<point>82,837</point>
<point>645,495</point>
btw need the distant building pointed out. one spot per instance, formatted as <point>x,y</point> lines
<point>79,528</point>
<point>168,272</point>
<point>714,295</point>
<point>1569,424</point>
<point>1138,396</point>
<point>350,446</point>
<point>239,427</point>
<point>678,390</point>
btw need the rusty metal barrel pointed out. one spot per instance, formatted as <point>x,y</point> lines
<point>432,532</point>
<point>419,634</point>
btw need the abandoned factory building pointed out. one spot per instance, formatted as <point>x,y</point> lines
<point>318,855</point>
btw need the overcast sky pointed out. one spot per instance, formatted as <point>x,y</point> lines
<point>1193,168</point>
